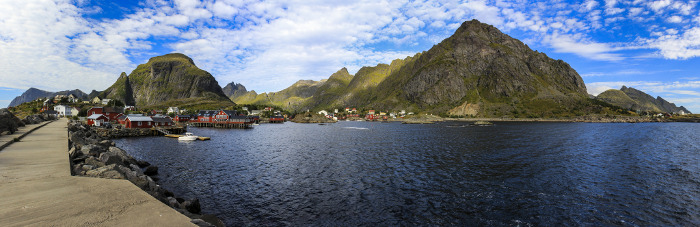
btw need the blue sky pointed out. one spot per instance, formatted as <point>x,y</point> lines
<point>67,44</point>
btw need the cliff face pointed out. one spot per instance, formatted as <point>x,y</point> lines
<point>234,90</point>
<point>32,94</point>
<point>636,100</point>
<point>166,78</point>
<point>477,71</point>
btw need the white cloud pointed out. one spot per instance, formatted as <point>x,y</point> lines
<point>563,43</point>
<point>36,50</point>
<point>589,5</point>
<point>678,46</point>
<point>675,19</point>
<point>659,5</point>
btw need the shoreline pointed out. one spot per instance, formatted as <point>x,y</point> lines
<point>92,155</point>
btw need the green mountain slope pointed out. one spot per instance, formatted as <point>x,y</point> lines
<point>477,71</point>
<point>168,80</point>
<point>636,100</point>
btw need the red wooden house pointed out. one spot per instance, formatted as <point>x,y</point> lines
<point>182,118</point>
<point>97,119</point>
<point>138,122</point>
<point>277,119</point>
<point>112,113</point>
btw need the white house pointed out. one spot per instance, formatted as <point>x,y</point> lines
<point>174,110</point>
<point>72,98</point>
<point>323,112</point>
<point>63,110</point>
<point>74,111</point>
<point>105,101</point>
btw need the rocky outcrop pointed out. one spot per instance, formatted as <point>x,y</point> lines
<point>311,118</point>
<point>9,122</point>
<point>38,118</point>
<point>234,90</point>
<point>92,155</point>
<point>171,77</point>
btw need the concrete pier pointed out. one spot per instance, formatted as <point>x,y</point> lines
<point>37,189</point>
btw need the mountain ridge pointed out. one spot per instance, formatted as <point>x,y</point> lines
<point>636,100</point>
<point>32,94</point>
<point>167,80</point>
<point>477,71</point>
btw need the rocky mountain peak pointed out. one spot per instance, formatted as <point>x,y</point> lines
<point>164,78</point>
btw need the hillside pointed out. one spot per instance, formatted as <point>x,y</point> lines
<point>294,97</point>
<point>32,94</point>
<point>168,80</point>
<point>636,100</point>
<point>478,71</point>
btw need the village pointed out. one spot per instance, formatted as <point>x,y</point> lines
<point>107,113</point>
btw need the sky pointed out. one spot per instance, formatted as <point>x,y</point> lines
<point>58,45</point>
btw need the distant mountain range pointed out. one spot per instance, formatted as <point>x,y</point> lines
<point>478,71</point>
<point>636,100</point>
<point>32,94</point>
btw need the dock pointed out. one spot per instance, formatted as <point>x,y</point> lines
<point>37,189</point>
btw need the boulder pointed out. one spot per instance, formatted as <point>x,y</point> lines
<point>212,219</point>
<point>110,158</point>
<point>172,202</point>
<point>94,162</point>
<point>106,143</point>
<point>151,170</point>
<point>108,171</point>
<point>201,223</point>
<point>192,206</point>
<point>126,158</point>
<point>9,122</point>
<point>143,164</point>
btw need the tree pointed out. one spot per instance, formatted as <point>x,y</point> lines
<point>115,103</point>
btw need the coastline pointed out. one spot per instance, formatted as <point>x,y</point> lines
<point>92,155</point>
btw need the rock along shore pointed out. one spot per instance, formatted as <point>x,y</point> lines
<point>92,155</point>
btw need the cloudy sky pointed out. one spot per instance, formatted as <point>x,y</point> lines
<point>67,44</point>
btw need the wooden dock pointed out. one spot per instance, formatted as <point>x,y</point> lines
<point>221,125</point>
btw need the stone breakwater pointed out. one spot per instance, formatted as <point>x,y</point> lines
<point>92,155</point>
<point>9,123</point>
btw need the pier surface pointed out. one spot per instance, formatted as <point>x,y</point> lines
<point>37,189</point>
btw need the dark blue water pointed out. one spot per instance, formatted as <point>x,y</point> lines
<point>389,174</point>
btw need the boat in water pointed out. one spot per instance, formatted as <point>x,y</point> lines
<point>187,137</point>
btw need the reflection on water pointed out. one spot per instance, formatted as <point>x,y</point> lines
<point>363,173</point>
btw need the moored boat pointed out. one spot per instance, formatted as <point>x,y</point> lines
<point>188,137</point>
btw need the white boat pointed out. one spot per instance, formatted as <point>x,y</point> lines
<point>188,137</point>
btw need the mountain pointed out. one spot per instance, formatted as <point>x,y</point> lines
<point>93,94</point>
<point>233,90</point>
<point>32,94</point>
<point>636,100</point>
<point>292,97</point>
<point>477,71</point>
<point>168,80</point>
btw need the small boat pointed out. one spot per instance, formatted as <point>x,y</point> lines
<point>187,137</point>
